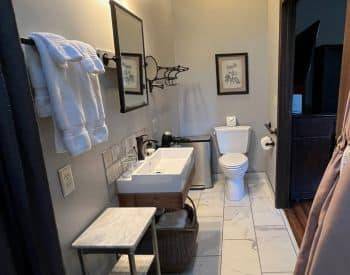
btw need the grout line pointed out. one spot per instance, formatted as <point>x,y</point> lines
<point>223,224</point>
<point>285,221</point>
<point>290,233</point>
<point>256,237</point>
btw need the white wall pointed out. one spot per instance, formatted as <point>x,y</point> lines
<point>273,19</point>
<point>332,16</point>
<point>90,21</point>
<point>203,28</point>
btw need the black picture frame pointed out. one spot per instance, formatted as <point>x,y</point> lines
<point>245,74</point>
<point>123,107</point>
<point>139,58</point>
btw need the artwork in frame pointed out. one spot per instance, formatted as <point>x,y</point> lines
<point>132,73</point>
<point>232,73</point>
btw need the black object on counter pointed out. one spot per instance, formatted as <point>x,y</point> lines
<point>167,139</point>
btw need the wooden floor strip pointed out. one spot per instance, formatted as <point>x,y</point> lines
<point>297,217</point>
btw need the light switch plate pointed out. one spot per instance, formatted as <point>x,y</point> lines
<point>130,144</point>
<point>66,180</point>
<point>111,174</point>
<point>116,152</point>
<point>107,158</point>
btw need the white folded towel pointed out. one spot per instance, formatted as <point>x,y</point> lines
<point>92,104</point>
<point>65,99</point>
<point>176,219</point>
<point>90,62</point>
<point>38,81</point>
<point>60,49</point>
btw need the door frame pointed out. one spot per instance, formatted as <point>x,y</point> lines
<point>284,109</point>
<point>285,91</point>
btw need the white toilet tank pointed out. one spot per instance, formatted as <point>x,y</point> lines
<point>233,139</point>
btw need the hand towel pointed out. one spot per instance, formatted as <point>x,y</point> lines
<point>65,99</point>
<point>90,62</point>
<point>60,49</point>
<point>37,79</point>
<point>92,104</point>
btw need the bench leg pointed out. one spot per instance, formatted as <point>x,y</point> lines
<point>155,246</point>
<point>132,264</point>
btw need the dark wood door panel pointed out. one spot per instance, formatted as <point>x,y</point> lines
<point>309,160</point>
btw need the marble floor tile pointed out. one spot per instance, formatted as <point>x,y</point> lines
<point>275,249</point>
<point>195,194</point>
<point>238,223</point>
<point>243,202</point>
<point>240,257</point>
<point>259,188</point>
<point>211,205</point>
<point>212,197</point>
<point>219,186</point>
<point>209,236</point>
<point>207,210</point>
<point>209,265</point>
<point>265,213</point>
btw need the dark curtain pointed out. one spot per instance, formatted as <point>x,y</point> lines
<point>27,224</point>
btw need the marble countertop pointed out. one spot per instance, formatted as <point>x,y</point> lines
<point>116,228</point>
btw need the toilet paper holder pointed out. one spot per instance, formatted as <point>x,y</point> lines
<point>272,143</point>
<point>269,128</point>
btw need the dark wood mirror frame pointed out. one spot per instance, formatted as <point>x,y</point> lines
<point>123,107</point>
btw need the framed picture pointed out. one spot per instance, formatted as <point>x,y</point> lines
<point>232,73</point>
<point>132,73</point>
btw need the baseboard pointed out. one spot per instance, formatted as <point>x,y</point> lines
<point>219,176</point>
<point>257,176</point>
<point>290,231</point>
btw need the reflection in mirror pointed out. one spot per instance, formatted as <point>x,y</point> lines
<point>130,57</point>
<point>151,68</point>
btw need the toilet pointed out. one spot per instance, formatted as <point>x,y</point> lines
<point>233,144</point>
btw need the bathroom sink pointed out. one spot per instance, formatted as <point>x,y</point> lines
<point>166,171</point>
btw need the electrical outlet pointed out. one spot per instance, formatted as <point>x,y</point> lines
<point>66,180</point>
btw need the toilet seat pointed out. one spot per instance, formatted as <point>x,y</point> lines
<point>234,161</point>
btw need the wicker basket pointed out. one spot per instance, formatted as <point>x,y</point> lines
<point>177,246</point>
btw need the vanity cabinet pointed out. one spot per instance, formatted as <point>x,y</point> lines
<point>171,200</point>
<point>312,147</point>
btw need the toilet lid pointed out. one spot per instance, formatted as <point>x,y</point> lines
<point>234,160</point>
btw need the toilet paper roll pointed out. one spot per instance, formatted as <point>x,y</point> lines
<point>266,143</point>
<point>231,121</point>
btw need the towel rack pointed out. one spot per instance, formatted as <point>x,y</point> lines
<point>104,55</point>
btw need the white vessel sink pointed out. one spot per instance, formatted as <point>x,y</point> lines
<point>167,170</point>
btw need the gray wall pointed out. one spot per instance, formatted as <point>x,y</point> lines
<point>332,16</point>
<point>203,28</point>
<point>90,21</point>
<point>273,18</point>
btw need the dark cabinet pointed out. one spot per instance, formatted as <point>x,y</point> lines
<point>312,146</point>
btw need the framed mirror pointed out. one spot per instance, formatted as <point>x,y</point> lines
<point>130,58</point>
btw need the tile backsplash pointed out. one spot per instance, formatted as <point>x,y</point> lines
<point>114,158</point>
